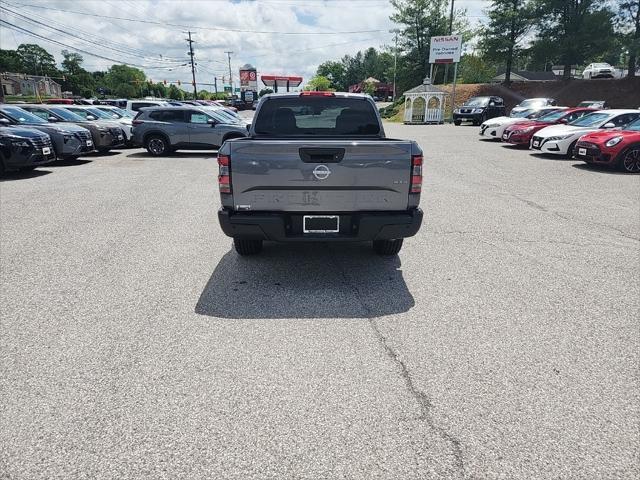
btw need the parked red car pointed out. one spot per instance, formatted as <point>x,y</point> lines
<point>617,148</point>
<point>520,133</point>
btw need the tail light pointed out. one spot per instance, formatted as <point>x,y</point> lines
<point>313,93</point>
<point>224,173</point>
<point>416,173</point>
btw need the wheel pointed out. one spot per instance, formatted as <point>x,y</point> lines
<point>2,169</point>
<point>387,247</point>
<point>630,160</point>
<point>157,145</point>
<point>572,147</point>
<point>247,246</point>
<point>103,150</point>
<point>70,158</point>
<point>457,122</point>
<point>27,169</point>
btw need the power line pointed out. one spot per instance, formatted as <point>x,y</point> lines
<point>89,41</point>
<point>56,42</point>
<point>101,41</point>
<point>192,27</point>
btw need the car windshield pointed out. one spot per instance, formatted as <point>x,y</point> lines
<point>22,116</point>
<point>552,116</point>
<point>590,120</point>
<point>317,116</point>
<point>601,65</point>
<point>522,114</point>
<point>96,112</point>
<point>477,102</point>
<point>633,126</point>
<point>533,102</point>
<point>117,112</point>
<point>539,113</point>
<point>66,115</point>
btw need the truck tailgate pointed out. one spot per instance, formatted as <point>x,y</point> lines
<point>320,175</point>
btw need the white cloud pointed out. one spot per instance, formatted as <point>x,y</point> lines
<point>162,49</point>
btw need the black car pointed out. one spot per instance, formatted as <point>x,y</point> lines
<point>24,149</point>
<point>479,109</point>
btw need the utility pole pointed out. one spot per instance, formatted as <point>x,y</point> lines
<point>395,62</point>
<point>446,67</point>
<point>215,84</point>
<point>451,17</point>
<point>193,68</point>
<point>230,76</point>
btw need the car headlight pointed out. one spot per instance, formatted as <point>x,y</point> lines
<point>103,129</point>
<point>528,129</point>
<point>457,110</point>
<point>558,137</point>
<point>492,125</point>
<point>477,110</point>
<point>20,143</point>
<point>613,142</point>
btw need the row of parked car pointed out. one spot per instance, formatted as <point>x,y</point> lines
<point>596,136</point>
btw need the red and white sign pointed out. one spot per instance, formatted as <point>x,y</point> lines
<point>248,77</point>
<point>445,49</point>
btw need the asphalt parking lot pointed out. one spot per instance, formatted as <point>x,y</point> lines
<point>502,343</point>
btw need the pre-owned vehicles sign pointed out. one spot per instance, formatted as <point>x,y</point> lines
<point>445,49</point>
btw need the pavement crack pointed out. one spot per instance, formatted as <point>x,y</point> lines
<point>422,399</point>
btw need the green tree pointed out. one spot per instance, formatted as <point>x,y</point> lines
<point>125,81</point>
<point>369,88</point>
<point>36,60</point>
<point>418,21</point>
<point>10,61</point>
<point>265,91</point>
<point>175,93</point>
<point>318,83</point>
<point>629,20</point>
<point>573,32</point>
<point>474,69</point>
<point>335,72</point>
<point>509,23</point>
<point>77,79</point>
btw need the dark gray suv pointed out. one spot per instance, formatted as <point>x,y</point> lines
<point>162,130</point>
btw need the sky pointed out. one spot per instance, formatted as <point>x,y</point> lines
<point>284,37</point>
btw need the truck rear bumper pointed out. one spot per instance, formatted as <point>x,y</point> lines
<point>354,227</point>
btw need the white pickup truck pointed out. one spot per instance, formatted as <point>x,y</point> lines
<point>318,167</point>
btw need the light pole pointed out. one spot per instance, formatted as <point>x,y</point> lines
<point>395,61</point>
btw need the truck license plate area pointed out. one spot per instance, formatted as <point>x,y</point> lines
<point>320,224</point>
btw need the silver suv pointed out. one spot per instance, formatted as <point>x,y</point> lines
<point>162,130</point>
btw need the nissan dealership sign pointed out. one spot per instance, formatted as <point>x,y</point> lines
<point>445,49</point>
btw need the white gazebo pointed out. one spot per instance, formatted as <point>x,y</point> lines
<point>424,104</point>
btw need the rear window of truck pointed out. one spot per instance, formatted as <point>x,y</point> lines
<point>317,116</point>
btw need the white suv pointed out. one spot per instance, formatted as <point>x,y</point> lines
<point>599,70</point>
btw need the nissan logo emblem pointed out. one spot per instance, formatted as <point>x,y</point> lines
<point>321,172</point>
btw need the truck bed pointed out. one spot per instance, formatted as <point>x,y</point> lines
<point>320,175</point>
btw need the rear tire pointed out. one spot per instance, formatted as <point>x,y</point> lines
<point>630,160</point>
<point>157,145</point>
<point>387,247</point>
<point>457,122</point>
<point>247,246</point>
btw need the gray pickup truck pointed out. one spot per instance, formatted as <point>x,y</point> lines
<point>317,166</point>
